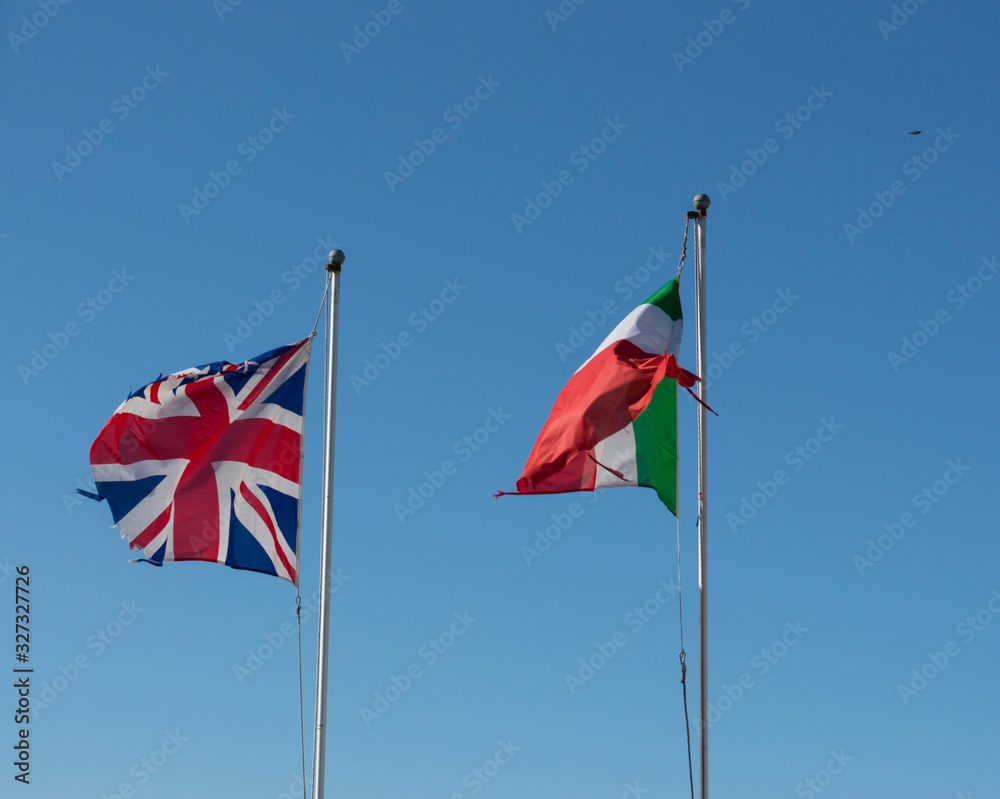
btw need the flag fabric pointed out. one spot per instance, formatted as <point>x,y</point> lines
<point>205,464</point>
<point>615,422</point>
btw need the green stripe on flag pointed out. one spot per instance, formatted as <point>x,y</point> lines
<point>668,299</point>
<point>656,443</point>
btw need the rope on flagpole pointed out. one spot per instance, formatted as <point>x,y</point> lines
<point>683,656</point>
<point>684,248</point>
<point>302,711</point>
<point>322,303</point>
<point>680,601</point>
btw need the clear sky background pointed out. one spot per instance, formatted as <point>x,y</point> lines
<point>192,232</point>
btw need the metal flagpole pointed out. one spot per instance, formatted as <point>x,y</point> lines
<point>337,259</point>
<point>701,203</point>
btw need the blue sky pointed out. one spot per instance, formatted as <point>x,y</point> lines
<point>503,179</point>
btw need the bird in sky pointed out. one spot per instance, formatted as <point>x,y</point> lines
<point>914,133</point>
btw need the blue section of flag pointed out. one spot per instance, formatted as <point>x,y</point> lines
<point>290,395</point>
<point>236,380</point>
<point>244,551</point>
<point>124,495</point>
<point>286,511</point>
<point>157,557</point>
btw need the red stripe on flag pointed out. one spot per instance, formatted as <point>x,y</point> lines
<point>272,372</point>
<point>146,536</point>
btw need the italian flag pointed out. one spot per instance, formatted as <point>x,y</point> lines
<point>615,422</point>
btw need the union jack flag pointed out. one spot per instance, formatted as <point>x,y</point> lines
<point>205,464</point>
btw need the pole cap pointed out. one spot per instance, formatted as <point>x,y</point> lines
<point>701,202</point>
<point>336,260</point>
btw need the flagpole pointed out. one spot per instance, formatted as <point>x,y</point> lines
<point>701,203</point>
<point>336,260</point>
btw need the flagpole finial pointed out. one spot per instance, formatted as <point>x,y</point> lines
<point>701,202</point>
<point>335,261</point>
